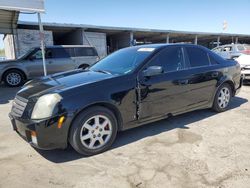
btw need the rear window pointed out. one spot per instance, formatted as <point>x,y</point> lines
<point>197,57</point>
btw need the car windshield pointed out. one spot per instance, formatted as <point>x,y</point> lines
<point>25,54</point>
<point>123,61</point>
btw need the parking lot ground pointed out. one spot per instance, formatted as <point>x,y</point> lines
<point>197,149</point>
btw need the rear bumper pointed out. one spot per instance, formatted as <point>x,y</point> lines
<point>47,135</point>
<point>246,74</point>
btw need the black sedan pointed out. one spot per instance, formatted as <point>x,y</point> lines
<point>131,87</point>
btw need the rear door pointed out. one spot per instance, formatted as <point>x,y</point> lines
<point>85,56</point>
<point>203,76</point>
<point>60,60</point>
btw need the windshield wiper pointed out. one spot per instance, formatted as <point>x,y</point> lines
<point>102,71</point>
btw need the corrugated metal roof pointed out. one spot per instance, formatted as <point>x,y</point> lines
<point>107,29</point>
<point>8,21</point>
<point>23,5</point>
<point>9,12</point>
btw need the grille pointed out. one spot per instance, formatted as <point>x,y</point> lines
<point>18,107</point>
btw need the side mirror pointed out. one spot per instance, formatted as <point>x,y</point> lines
<point>31,58</point>
<point>152,71</point>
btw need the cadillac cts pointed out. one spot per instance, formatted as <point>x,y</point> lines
<point>131,87</point>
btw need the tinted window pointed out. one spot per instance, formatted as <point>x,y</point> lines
<point>60,53</point>
<point>85,52</point>
<point>171,59</point>
<point>123,61</point>
<point>37,55</point>
<point>197,57</point>
<point>213,61</point>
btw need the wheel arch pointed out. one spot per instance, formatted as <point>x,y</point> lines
<point>20,70</point>
<point>107,105</point>
<point>229,81</point>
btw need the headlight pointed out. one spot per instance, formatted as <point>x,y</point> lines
<point>45,105</point>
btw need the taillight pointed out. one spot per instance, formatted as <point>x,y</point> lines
<point>246,52</point>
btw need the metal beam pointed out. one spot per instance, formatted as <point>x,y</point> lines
<point>42,43</point>
<point>167,39</point>
<point>218,41</point>
<point>196,40</point>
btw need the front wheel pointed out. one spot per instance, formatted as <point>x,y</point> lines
<point>13,78</point>
<point>93,131</point>
<point>222,98</point>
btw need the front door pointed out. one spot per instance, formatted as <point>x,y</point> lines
<point>165,93</point>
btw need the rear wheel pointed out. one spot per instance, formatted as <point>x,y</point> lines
<point>93,131</point>
<point>13,78</point>
<point>222,98</point>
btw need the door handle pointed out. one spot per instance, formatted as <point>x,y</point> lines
<point>182,82</point>
<point>49,62</point>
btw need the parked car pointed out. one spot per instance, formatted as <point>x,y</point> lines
<point>232,51</point>
<point>130,87</point>
<point>244,61</point>
<point>2,58</point>
<point>58,59</point>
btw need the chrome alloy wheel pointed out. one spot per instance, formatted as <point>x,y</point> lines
<point>96,132</point>
<point>224,97</point>
<point>13,78</point>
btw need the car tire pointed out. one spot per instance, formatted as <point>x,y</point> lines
<point>13,78</point>
<point>93,131</point>
<point>222,98</point>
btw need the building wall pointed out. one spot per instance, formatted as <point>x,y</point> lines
<point>9,46</point>
<point>120,41</point>
<point>27,39</point>
<point>98,40</point>
<point>16,45</point>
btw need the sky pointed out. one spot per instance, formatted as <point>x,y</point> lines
<point>184,15</point>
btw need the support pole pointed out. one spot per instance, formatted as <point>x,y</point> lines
<point>236,40</point>
<point>42,43</point>
<point>196,40</point>
<point>218,41</point>
<point>131,39</point>
<point>167,39</point>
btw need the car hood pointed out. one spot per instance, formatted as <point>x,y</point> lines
<point>8,61</point>
<point>61,81</point>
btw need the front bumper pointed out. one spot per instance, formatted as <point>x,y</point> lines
<point>47,134</point>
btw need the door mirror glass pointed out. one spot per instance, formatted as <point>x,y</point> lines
<point>152,71</point>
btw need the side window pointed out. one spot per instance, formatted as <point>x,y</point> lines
<point>60,53</point>
<point>171,59</point>
<point>37,55</point>
<point>48,54</point>
<point>197,57</point>
<point>85,52</point>
<point>227,49</point>
<point>213,61</point>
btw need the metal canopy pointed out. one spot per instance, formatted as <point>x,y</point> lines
<point>9,12</point>
<point>8,21</point>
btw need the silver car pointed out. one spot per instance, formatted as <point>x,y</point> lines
<point>58,59</point>
<point>232,51</point>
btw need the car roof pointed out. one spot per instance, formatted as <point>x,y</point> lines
<point>69,46</point>
<point>162,45</point>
